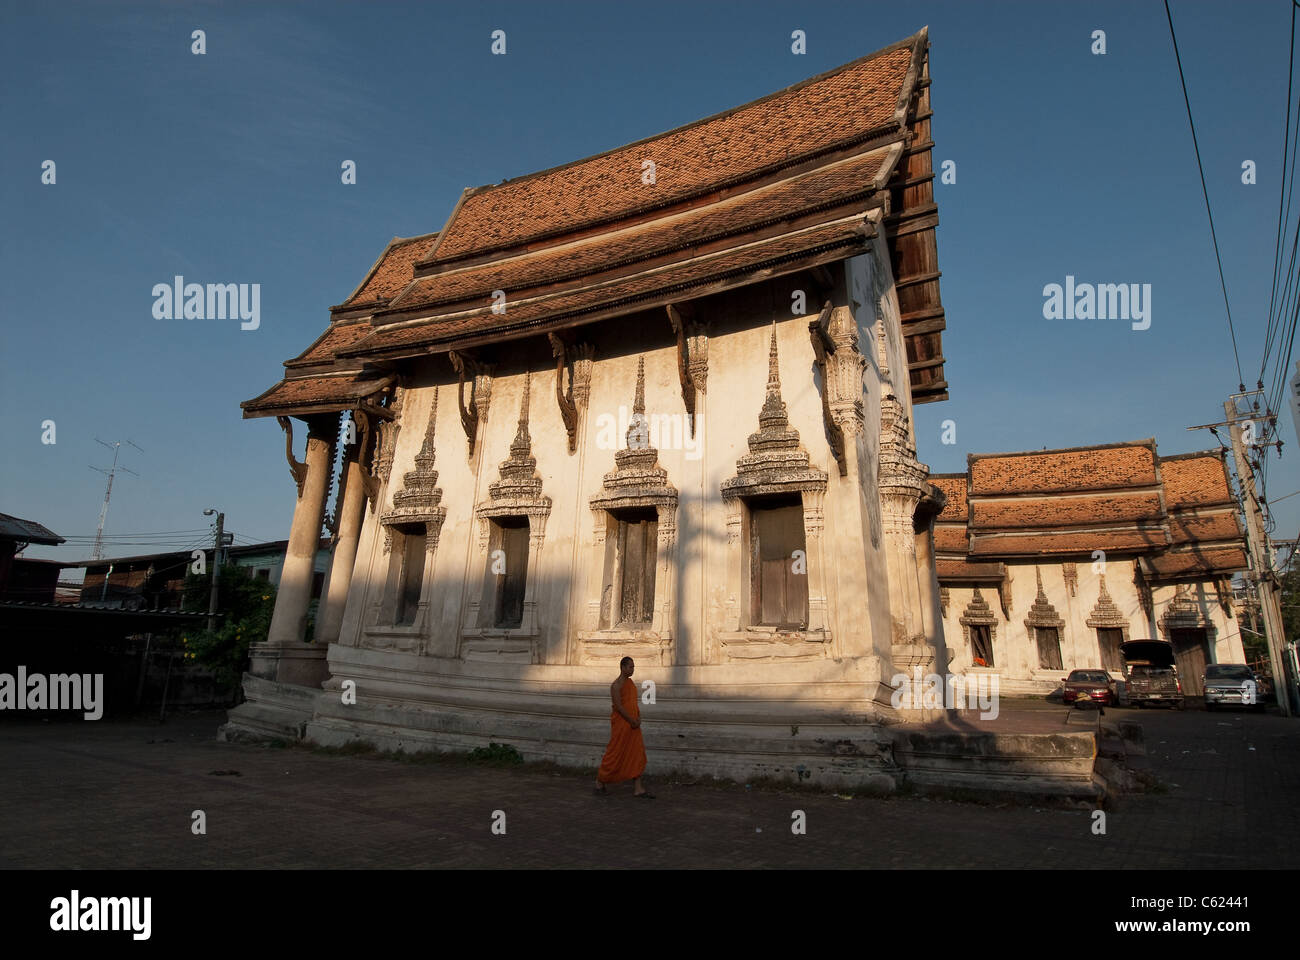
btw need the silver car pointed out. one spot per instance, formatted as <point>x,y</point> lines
<point>1232,685</point>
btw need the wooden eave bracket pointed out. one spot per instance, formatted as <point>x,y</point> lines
<point>683,364</point>
<point>297,469</point>
<point>823,346</point>
<point>563,396</point>
<point>364,416</point>
<point>467,367</point>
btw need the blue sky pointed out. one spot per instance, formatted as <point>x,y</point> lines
<point>225,168</point>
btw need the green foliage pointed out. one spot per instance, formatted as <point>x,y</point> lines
<point>496,755</point>
<point>1290,600</point>
<point>245,604</point>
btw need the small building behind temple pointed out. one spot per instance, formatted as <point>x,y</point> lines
<point>22,578</point>
<point>1049,560</point>
<point>156,581</point>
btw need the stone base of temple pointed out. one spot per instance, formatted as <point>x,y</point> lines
<point>825,722</point>
<point>833,727</point>
<point>1059,765</point>
<point>301,664</point>
<point>270,711</point>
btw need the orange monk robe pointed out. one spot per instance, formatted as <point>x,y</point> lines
<point>625,756</point>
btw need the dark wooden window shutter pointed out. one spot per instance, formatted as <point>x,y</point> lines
<point>510,585</point>
<point>779,593</point>
<point>1049,648</point>
<point>638,535</point>
<point>412,575</point>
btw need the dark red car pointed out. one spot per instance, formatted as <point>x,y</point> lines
<point>1094,686</point>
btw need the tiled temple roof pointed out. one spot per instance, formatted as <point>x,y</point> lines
<point>538,313</point>
<point>789,182</point>
<point>832,111</point>
<point>324,393</point>
<point>318,380</point>
<point>1177,513</point>
<point>392,271</point>
<point>1203,522</point>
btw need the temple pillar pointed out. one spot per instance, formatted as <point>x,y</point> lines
<point>902,484</point>
<point>352,505</point>
<point>927,573</point>
<point>857,639</point>
<point>835,344</point>
<point>284,656</point>
<point>900,552</point>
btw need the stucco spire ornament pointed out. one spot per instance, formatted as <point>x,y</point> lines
<point>639,460</point>
<point>638,430</point>
<point>518,492</point>
<point>519,479</point>
<point>637,479</point>
<point>1042,613</point>
<point>1106,613</point>
<point>420,498</point>
<point>776,462</point>
<point>522,446</point>
<point>773,415</point>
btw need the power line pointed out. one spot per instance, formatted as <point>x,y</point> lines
<point>1283,194</point>
<point>1205,193</point>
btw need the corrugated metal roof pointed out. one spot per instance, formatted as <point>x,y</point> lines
<point>27,531</point>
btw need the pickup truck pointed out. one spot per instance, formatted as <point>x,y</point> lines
<point>1231,684</point>
<point>1151,673</point>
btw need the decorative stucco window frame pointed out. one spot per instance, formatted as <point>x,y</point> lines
<point>1106,615</point>
<point>517,494</point>
<point>1184,612</point>
<point>1043,614</point>
<point>636,483</point>
<point>979,613</point>
<point>776,465</point>
<point>417,504</point>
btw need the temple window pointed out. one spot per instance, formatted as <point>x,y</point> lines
<point>981,645</point>
<point>408,552</point>
<point>979,624</point>
<point>778,565</point>
<point>507,572</point>
<point>631,553</point>
<point>1108,640</point>
<point>1044,624</point>
<point>1049,647</point>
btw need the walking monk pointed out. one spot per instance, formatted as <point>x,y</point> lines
<point>625,756</point>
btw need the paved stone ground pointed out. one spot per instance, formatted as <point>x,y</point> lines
<point>114,795</point>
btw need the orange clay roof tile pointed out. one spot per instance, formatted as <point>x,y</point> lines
<point>815,190</point>
<point>828,239</point>
<point>1065,511</point>
<point>817,115</point>
<point>1195,481</point>
<point>1098,468</point>
<point>393,271</point>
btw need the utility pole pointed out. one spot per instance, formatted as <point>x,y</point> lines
<point>216,565</point>
<point>1261,556</point>
<point>98,551</point>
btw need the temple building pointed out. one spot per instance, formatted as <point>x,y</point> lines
<point>1049,560</point>
<point>656,402</point>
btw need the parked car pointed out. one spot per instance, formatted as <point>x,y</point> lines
<point>1232,684</point>
<point>1151,673</point>
<point>1093,686</point>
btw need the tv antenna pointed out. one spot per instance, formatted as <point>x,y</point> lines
<point>98,552</point>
